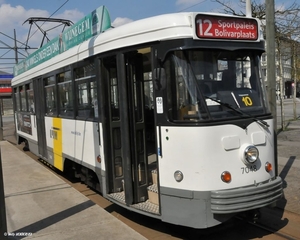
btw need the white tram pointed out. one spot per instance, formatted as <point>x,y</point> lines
<point>166,116</point>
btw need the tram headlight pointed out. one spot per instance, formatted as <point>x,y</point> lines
<point>178,175</point>
<point>250,154</point>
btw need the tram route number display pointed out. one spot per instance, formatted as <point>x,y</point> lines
<point>239,98</point>
<point>216,27</point>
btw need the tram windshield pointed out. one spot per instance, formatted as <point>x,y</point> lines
<point>214,85</point>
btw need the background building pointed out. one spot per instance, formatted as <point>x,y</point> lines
<point>6,103</point>
<point>287,55</point>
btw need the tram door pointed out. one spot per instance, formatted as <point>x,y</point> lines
<point>126,156</point>
<point>132,92</point>
<point>39,101</point>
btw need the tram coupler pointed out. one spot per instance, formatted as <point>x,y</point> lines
<point>251,215</point>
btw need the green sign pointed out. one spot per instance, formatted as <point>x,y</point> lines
<point>94,23</point>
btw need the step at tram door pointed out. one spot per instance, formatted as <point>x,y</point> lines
<point>127,164</point>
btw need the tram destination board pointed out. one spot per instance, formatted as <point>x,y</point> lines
<point>231,28</point>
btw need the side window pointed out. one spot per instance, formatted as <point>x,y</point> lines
<point>51,97</point>
<point>30,98</point>
<point>110,75</point>
<point>114,94</point>
<point>86,91</point>
<point>94,97</point>
<point>23,98</point>
<point>17,98</point>
<point>148,89</point>
<point>65,90</point>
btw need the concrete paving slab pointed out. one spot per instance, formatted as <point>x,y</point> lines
<point>41,205</point>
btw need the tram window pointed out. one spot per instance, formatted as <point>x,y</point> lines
<point>85,71</point>
<point>182,100</point>
<point>94,98</point>
<point>30,98</point>
<point>148,90</point>
<point>49,80</point>
<point>51,97</point>
<point>109,71</point>
<point>118,167</point>
<point>198,80</point>
<point>23,98</point>
<point>87,98</point>
<point>65,99</point>
<point>17,98</point>
<point>65,94</point>
<point>114,98</point>
<point>82,95</point>
<point>86,90</point>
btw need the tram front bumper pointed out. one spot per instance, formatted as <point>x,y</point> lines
<point>247,198</point>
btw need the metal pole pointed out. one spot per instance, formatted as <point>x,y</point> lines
<point>295,80</point>
<point>271,68</point>
<point>3,226</point>
<point>16,47</point>
<point>1,121</point>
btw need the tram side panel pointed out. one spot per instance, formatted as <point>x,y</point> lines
<point>75,140</point>
<point>87,143</point>
<point>88,147</point>
<point>54,140</point>
<point>26,129</point>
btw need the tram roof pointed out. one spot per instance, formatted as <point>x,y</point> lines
<point>157,28</point>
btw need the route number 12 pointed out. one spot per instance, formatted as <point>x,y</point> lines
<point>206,32</point>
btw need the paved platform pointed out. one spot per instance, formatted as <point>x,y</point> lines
<point>288,143</point>
<point>40,205</point>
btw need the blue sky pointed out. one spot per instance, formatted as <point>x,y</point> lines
<point>13,14</point>
<point>132,9</point>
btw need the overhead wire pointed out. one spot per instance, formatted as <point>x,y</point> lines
<point>192,6</point>
<point>48,18</point>
<point>22,44</point>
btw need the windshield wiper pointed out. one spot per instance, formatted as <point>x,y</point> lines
<point>239,111</point>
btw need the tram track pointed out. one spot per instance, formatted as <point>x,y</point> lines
<point>150,228</point>
<point>274,231</point>
<point>270,232</point>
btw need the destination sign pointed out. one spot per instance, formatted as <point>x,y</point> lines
<point>219,27</point>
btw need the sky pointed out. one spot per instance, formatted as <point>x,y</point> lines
<point>13,14</point>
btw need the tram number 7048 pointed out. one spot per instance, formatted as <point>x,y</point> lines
<point>249,169</point>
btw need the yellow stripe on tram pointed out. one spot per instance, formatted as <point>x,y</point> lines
<point>57,143</point>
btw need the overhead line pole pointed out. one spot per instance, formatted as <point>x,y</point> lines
<point>16,47</point>
<point>271,68</point>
